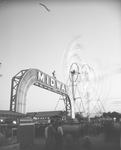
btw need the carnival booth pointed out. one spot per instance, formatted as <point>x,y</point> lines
<point>9,125</point>
<point>26,133</point>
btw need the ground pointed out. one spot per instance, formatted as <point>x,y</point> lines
<point>94,142</point>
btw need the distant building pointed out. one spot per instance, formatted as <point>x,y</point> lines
<point>6,115</point>
<point>44,116</point>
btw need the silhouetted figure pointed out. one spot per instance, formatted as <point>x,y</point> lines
<point>59,137</point>
<point>87,144</point>
<point>53,73</point>
<point>50,136</point>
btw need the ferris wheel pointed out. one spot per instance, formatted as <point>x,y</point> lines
<point>83,79</point>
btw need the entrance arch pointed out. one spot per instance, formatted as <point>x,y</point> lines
<point>25,78</point>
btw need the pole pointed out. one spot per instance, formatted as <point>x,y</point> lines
<point>88,107</point>
<point>72,73</point>
<point>0,67</point>
<point>73,95</point>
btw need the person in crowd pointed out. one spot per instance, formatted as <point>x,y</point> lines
<point>59,136</point>
<point>50,136</point>
<point>87,143</point>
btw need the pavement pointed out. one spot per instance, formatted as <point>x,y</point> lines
<point>97,142</point>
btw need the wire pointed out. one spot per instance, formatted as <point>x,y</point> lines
<point>107,93</point>
<point>57,104</point>
<point>81,100</point>
<point>45,7</point>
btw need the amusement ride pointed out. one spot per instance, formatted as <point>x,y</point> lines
<point>82,91</point>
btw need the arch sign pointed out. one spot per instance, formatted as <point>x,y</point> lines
<point>25,78</point>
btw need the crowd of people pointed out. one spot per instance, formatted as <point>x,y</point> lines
<point>54,135</point>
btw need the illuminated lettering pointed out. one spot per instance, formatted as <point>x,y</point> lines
<point>58,85</point>
<point>52,82</point>
<point>47,80</point>
<point>41,76</point>
<point>63,88</point>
